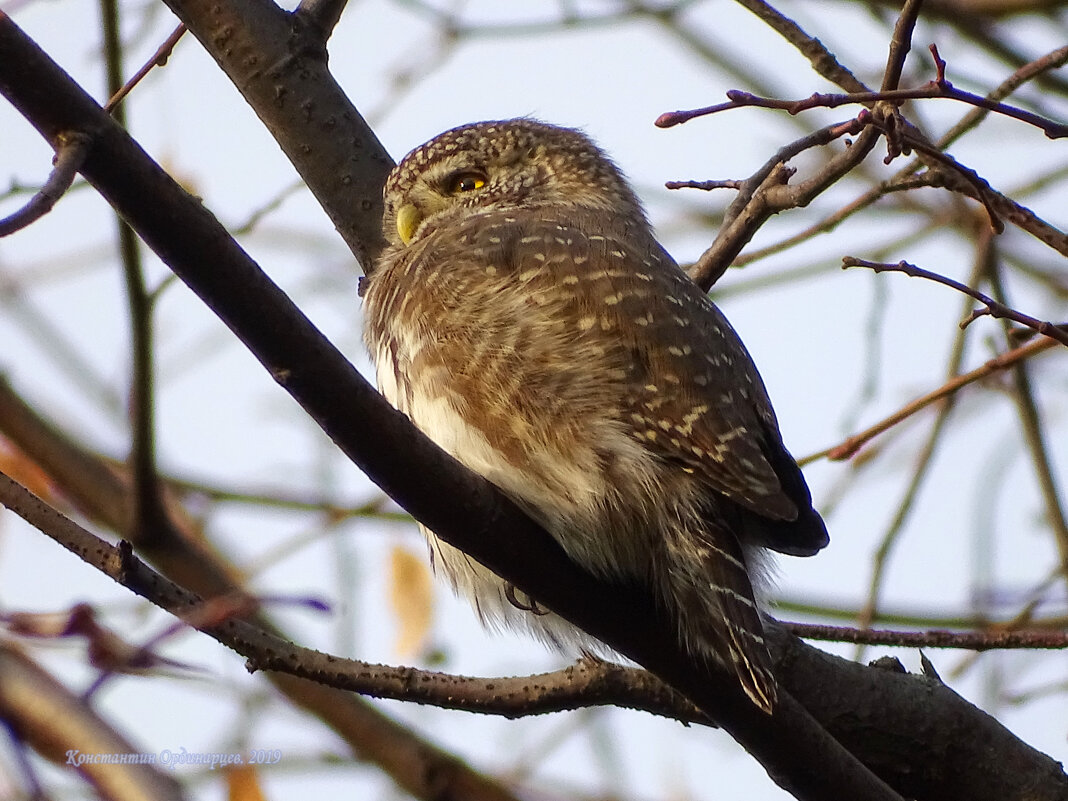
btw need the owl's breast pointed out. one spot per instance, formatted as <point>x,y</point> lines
<point>420,385</point>
<point>510,421</point>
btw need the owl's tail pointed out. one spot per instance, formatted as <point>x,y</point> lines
<point>710,590</point>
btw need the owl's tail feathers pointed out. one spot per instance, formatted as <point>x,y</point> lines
<point>718,615</point>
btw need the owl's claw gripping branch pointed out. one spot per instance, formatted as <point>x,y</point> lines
<point>530,605</point>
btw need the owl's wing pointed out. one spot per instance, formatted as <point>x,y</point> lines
<point>575,315</point>
<point>699,400</point>
<point>693,394</point>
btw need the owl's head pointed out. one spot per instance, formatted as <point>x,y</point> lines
<point>501,165</point>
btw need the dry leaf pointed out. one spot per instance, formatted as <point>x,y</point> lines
<point>243,784</point>
<point>23,470</point>
<point>411,595</point>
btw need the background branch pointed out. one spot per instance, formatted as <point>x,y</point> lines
<point>61,726</point>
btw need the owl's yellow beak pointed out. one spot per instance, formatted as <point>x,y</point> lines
<point>408,219</point>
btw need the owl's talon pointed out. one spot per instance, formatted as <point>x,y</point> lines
<point>532,606</point>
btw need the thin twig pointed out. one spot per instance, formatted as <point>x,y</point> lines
<point>969,640</point>
<point>907,177</point>
<point>1034,435</point>
<point>922,470</point>
<point>149,515</point>
<point>936,89</point>
<point>831,221</point>
<point>916,618</point>
<point>595,684</point>
<point>822,60</point>
<point>158,59</point>
<point>704,185</point>
<point>1025,617</point>
<point>1029,71</point>
<point>993,307</point>
<point>1002,207</point>
<point>900,44</point>
<point>71,152</point>
<point>765,193</point>
<point>849,447</point>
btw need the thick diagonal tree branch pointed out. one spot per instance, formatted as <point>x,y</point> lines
<point>277,61</point>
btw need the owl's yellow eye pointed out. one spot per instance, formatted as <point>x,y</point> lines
<point>465,182</point>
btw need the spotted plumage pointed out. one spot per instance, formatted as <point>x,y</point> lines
<point>525,317</point>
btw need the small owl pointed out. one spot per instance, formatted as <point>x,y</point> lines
<point>526,319</point>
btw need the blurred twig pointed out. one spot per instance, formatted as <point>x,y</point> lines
<point>1034,429</point>
<point>148,515</point>
<point>849,447</point>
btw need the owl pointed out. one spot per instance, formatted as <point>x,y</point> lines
<point>525,317</point>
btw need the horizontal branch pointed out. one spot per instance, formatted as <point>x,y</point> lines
<point>936,89</point>
<point>966,640</point>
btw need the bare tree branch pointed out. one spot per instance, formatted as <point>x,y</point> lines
<point>849,447</point>
<point>158,59</point>
<point>993,307</point>
<point>70,150</point>
<point>970,640</point>
<point>391,451</point>
<point>823,60</point>
<point>489,515</point>
<point>278,63</point>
